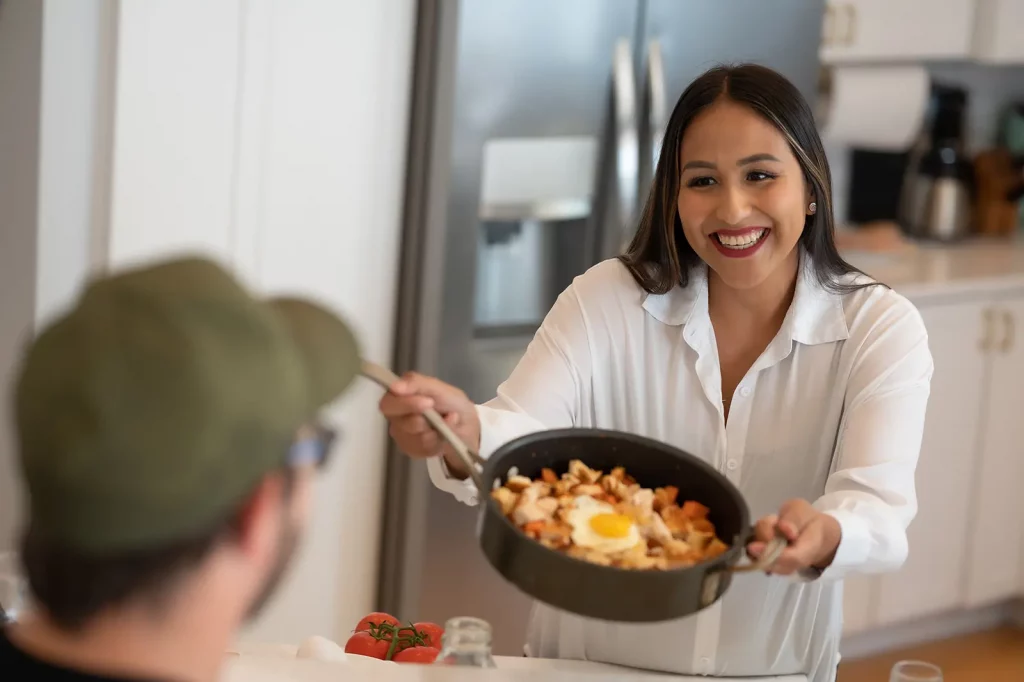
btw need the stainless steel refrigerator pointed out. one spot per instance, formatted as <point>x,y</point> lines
<point>535,126</point>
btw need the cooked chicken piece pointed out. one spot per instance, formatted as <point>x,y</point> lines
<point>699,541</point>
<point>618,473</point>
<point>506,499</point>
<point>564,486</point>
<point>536,491</point>
<point>665,497</point>
<point>533,506</point>
<point>644,499</point>
<point>677,549</point>
<point>634,513</point>
<point>644,562</point>
<point>529,512</point>
<point>518,484</point>
<point>676,521</point>
<point>556,535</point>
<point>591,489</point>
<point>548,476</point>
<point>656,530</point>
<point>584,473</point>
<point>637,550</point>
<point>615,487</point>
<point>549,505</point>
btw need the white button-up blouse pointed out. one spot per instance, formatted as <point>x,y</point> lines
<point>832,412</point>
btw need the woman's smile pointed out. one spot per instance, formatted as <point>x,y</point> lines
<point>740,243</point>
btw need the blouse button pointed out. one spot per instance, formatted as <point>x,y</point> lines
<point>745,391</point>
<point>732,464</point>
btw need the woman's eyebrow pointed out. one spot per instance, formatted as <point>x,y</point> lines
<point>753,158</point>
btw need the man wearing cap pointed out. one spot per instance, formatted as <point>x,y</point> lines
<point>167,431</point>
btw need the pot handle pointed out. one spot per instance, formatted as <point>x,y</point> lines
<point>469,458</point>
<point>772,551</point>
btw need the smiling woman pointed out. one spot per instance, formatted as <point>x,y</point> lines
<point>748,169</point>
<point>731,329</point>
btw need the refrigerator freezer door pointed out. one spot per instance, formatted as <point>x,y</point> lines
<point>514,80</point>
<point>684,38</point>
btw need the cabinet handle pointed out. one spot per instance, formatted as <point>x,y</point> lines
<point>1010,335</point>
<point>850,25</point>
<point>829,29</point>
<point>986,340</point>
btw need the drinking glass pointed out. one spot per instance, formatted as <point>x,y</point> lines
<point>13,587</point>
<point>915,671</point>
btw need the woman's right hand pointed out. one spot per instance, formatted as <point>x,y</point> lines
<point>403,406</point>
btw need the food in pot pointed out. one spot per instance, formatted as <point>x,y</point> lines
<point>609,519</point>
<point>382,636</point>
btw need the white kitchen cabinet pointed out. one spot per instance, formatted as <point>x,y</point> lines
<point>895,30</point>
<point>932,579</point>
<point>998,31</point>
<point>995,546</point>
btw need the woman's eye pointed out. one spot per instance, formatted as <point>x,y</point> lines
<point>759,176</point>
<point>703,181</point>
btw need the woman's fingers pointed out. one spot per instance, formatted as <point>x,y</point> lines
<point>406,401</point>
<point>764,531</point>
<point>443,397</point>
<point>812,536</point>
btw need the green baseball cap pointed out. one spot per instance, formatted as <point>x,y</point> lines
<point>148,412</point>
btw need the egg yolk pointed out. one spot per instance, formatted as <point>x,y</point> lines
<point>611,525</point>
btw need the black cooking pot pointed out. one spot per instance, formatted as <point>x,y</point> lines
<point>604,592</point>
<point>582,587</point>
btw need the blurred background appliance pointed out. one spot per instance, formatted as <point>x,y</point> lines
<point>935,201</point>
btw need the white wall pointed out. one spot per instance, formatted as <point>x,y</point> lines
<point>269,133</point>
<point>20,56</point>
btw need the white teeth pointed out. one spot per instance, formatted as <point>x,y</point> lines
<point>732,241</point>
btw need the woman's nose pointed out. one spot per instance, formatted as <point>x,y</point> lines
<point>733,206</point>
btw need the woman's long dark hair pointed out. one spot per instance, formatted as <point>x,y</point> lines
<point>659,257</point>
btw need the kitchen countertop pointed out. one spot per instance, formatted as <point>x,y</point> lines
<point>923,270</point>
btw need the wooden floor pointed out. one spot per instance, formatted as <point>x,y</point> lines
<point>994,656</point>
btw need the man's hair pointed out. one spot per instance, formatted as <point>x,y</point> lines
<point>75,587</point>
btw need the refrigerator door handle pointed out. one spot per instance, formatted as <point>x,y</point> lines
<point>627,143</point>
<point>657,109</point>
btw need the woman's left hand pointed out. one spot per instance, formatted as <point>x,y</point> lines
<point>813,537</point>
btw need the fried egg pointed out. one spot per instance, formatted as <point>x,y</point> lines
<point>597,526</point>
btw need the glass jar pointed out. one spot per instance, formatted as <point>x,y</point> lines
<point>915,671</point>
<point>466,642</point>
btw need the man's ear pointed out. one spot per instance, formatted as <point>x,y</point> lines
<point>260,518</point>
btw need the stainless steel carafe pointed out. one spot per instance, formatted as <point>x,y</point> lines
<point>935,201</point>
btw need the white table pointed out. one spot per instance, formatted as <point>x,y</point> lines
<point>280,663</point>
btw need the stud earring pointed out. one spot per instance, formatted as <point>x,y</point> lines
<point>813,207</point>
